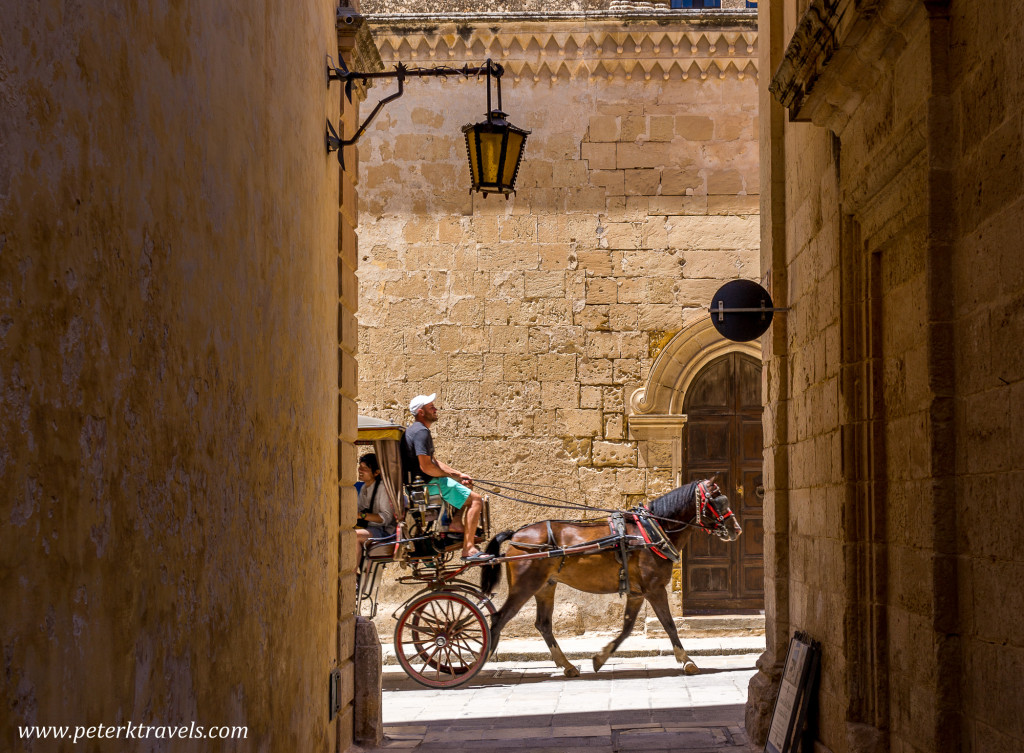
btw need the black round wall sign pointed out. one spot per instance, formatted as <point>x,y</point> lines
<point>741,310</point>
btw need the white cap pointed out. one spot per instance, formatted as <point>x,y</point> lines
<point>419,401</point>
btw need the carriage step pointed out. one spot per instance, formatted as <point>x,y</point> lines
<point>709,625</point>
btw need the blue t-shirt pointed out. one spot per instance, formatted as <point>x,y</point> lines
<point>417,441</point>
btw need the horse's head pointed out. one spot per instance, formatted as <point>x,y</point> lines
<point>714,514</point>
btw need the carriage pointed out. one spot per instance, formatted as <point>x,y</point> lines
<point>446,631</point>
<point>442,635</point>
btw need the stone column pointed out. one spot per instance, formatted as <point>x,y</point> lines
<point>764,686</point>
<point>356,48</point>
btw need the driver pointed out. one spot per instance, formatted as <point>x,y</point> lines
<point>453,486</point>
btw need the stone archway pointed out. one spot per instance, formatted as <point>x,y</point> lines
<point>656,410</point>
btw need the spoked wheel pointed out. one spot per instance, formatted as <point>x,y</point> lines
<point>442,640</point>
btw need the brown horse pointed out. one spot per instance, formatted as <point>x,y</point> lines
<point>696,505</point>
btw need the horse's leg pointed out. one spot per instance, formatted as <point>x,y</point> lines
<point>545,608</point>
<point>658,600</point>
<point>520,589</point>
<point>633,602</point>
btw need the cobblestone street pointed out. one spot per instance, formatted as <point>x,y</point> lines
<point>633,703</point>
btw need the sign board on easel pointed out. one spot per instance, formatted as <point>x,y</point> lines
<point>799,683</point>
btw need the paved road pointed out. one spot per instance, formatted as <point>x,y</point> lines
<point>633,704</point>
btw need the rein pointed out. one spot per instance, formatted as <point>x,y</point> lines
<point>493,486</point>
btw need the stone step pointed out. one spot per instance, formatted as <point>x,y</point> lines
<point>702,626</point>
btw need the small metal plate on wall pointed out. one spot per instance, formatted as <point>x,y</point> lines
<point>333,694</point>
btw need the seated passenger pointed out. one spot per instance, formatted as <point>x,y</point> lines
<point>376,511</point>
<point>455,487</point>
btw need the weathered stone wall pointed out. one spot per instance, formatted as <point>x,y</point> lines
<point>169,371</point>
<point>886,227</point>
<point>987,281</point>
<point>536,318</point>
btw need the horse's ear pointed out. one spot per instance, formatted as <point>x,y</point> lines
<point>714,479</point>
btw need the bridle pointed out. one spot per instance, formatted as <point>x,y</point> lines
<point>709,519</point>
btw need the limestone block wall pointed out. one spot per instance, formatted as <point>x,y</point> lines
<point>536,318</point>
<point>987,277</point>
<point>169,372</point>
<point>888,224</point>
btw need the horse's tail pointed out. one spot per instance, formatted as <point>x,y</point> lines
<point>490,575</point>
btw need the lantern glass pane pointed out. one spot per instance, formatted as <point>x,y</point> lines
<point>474,166</point>
<point>490,157</point>
<point>515,149</point>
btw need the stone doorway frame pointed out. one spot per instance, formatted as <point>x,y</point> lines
<point>656,409</point>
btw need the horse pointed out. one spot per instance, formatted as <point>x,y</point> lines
<point>697,505</point>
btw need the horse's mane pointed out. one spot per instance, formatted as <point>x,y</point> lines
<point>671,505</point>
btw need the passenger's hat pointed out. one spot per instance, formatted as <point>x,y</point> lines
<point>419,401</point>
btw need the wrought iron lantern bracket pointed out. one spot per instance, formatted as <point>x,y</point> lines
<point>401,72</point>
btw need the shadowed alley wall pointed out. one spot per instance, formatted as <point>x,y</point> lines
<point>169,369</point>
<point>892,213</point>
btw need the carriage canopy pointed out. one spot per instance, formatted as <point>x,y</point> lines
<point>384,436</point>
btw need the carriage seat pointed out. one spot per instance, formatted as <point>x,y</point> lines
<point>424,510</point>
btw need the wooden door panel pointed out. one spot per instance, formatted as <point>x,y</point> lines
<point>751,441</point>
<point>724,435</point>
<point>713,389</point>
<point>753,579</point>
<point>751,552</point>
<point>709,442</point>
<point>748,503</point>
<point>752,541</point>
<point>749,386</point>
<point>711,581</point>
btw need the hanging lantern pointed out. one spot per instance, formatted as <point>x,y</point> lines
<point>495,149</point>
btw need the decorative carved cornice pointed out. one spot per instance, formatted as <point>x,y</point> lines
<point>567,49</point>
<point>519,8</point>
<point>836,56</point>
<point>655,426</point>
<point>356,46</point>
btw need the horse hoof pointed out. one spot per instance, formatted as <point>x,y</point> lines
<point>598,663</point>
<point>572,672</point>
<point>690,668</point>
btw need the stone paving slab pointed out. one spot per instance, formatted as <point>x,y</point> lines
<point>633,704</point>
<point>583,648</point>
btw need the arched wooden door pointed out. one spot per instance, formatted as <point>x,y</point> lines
<point>723,435</point>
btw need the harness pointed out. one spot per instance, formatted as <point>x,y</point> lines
<point>654,535</point>
<point>617,524</point>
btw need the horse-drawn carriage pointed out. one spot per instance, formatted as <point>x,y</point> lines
<point>446,631</point>
<point>442,637</point>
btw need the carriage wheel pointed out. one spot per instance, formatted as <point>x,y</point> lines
<point>442,640</point>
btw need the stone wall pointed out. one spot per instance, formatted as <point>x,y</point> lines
<point>438,8</point>
<point>891,394</point>
<point>985,275</point>
<point>169,373</point>
<point>536,318</point>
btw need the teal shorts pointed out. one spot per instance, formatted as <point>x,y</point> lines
<point>451,491</point>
